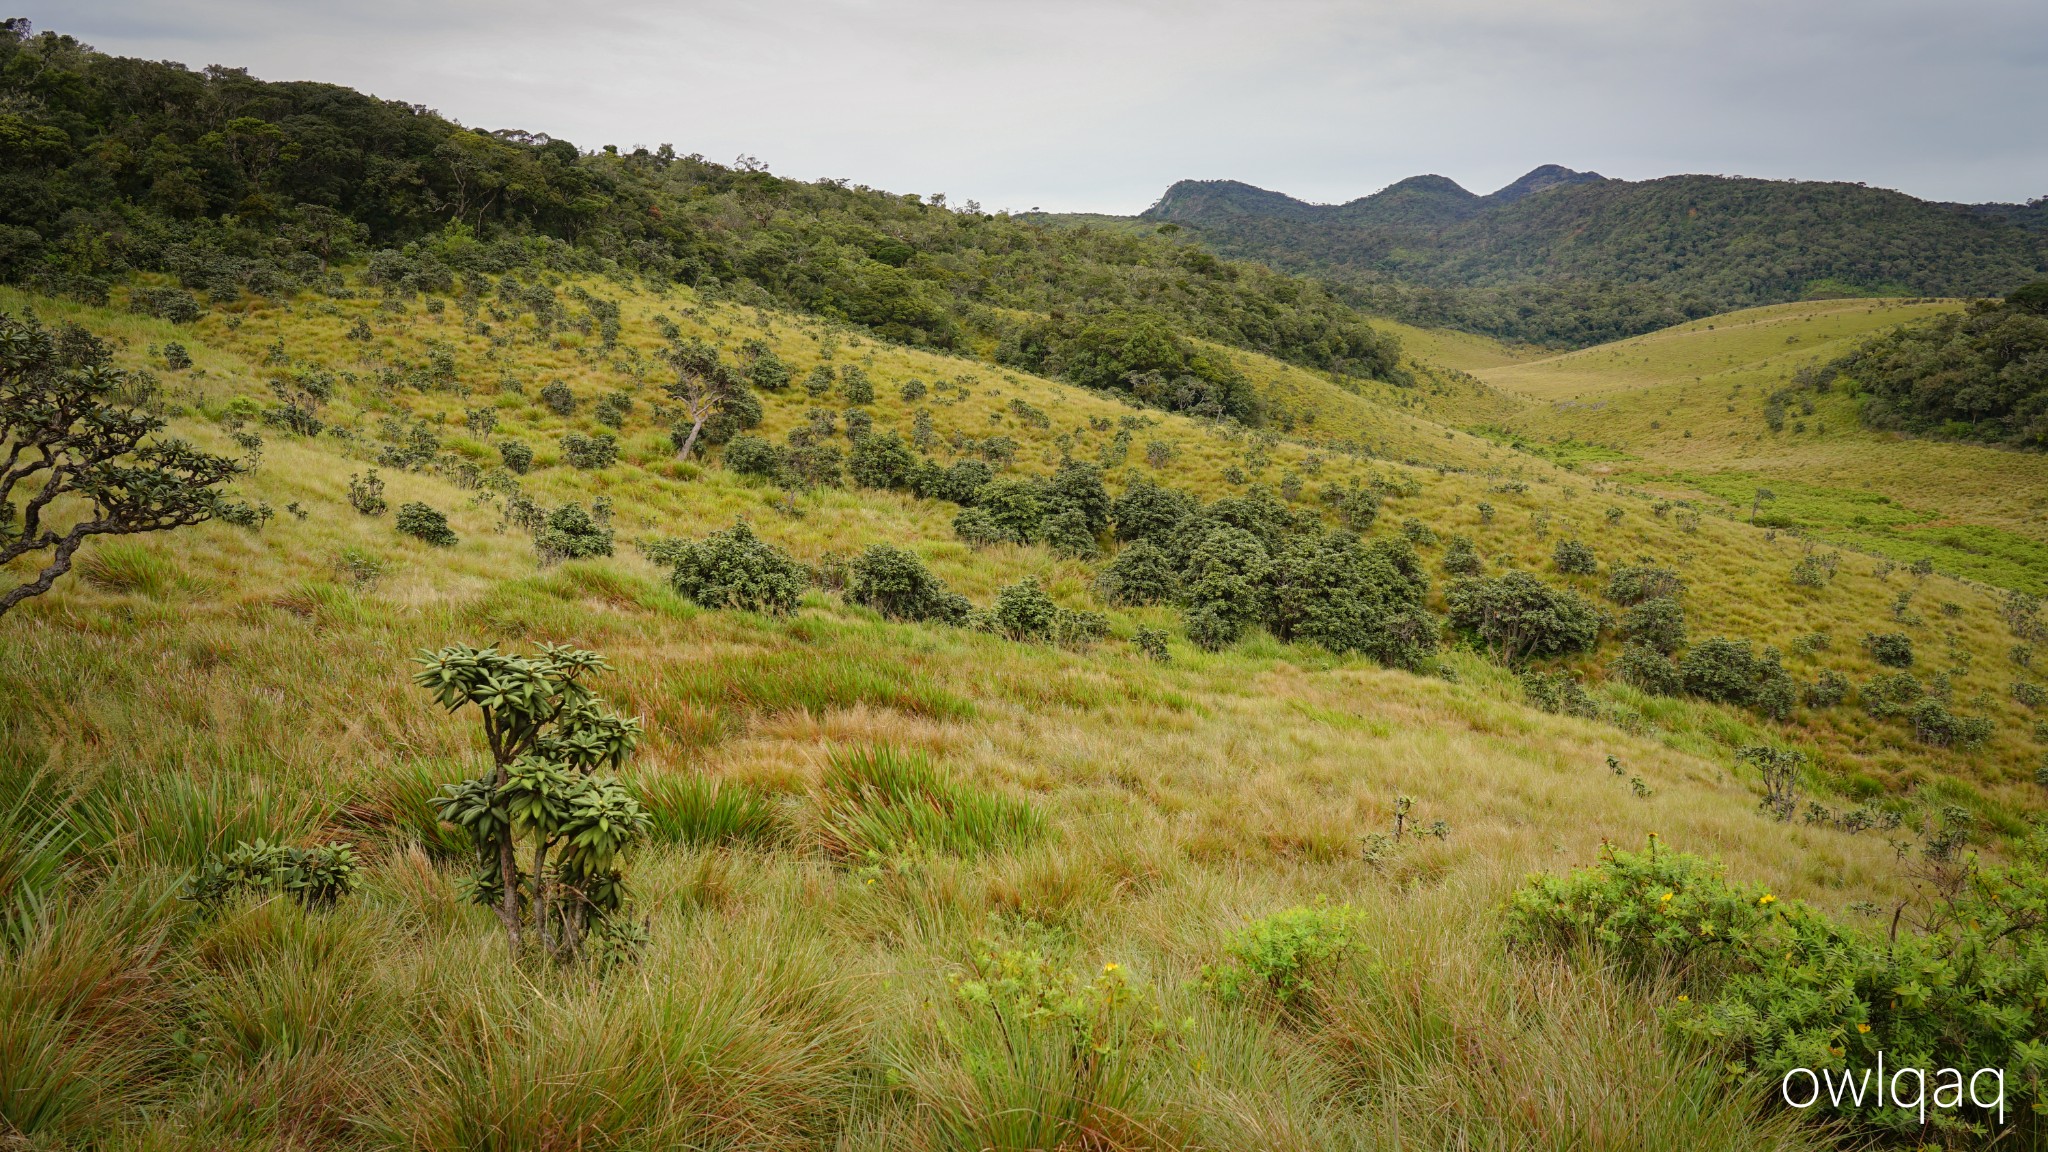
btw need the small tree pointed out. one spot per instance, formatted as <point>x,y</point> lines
<point>734,569</point>
<point>74,428</point>
<point>701,384</point>
<point>548,736</point>
<point>1520,617</point>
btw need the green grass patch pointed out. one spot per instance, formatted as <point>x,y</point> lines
<point>816,682</point>
<point>704,813</point>
<point>882,804</point>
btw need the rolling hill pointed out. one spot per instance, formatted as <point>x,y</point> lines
<point>1570,258</point>
<point>1033,752</point>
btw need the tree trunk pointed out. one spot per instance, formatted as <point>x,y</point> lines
<point>690,441</point>
<point>540,892</point>
<point>508,880</point>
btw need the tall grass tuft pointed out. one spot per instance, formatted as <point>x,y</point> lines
<point>126,566</point>
<point>881,803</point>
<point>702,813</point>
<point>173,821</point>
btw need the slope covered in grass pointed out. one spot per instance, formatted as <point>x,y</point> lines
<point>184,691</point>
<point>1688,411</point>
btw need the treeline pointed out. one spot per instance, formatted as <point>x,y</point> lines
<point>1979,374</point>
<point>232,184</point>
<point>1599,260</point>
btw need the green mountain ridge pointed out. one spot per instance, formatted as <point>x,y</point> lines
<point>1570,258</point>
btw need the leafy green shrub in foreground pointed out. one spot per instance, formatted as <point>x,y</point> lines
<point>548,736</point>
<point>315,877</point>
<point>1285,953</point>
<point>1733,672</point>
<point>1139,576</point>
<point>1786,987</point>
<point>734,569</point>
<point>1658,622</point>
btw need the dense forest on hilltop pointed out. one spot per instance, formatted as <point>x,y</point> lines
<point>1570,259</point>
<point>1979,374</point>
<point>232,184</point>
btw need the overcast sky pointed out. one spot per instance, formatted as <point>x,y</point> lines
<point>1099,105</point>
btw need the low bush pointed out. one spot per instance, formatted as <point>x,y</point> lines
<point>1559,692</point>
<point>880,462</point>
<point>1140,575</point>
<point>1285,954</point>
<point>366,494</point>
<point>1829,689</point>
<point>1658,622</point>
<point>752,455</point>
<point>1630,584</point>
<point>1574,559</point>
<point>734,569</point>
<point>572,533</point>
<point>1733,672</point>
<point>1648,669</point>
<point>425,523</point>
<point>557,398</point>
<point>1891,649</point>
<point>517,456</point>
<point>1955,983</point>
<point>591,452</point>
<point>315,877</point>
<point>1521,618</point>
<point>896,583</point>
<point>1461,558</point>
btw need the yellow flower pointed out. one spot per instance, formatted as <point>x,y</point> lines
<point>1767,899</point>
<point>1666,897</point>
<point>1863,1028</point>
<point>1109,967</point>
<point>1685,999</point>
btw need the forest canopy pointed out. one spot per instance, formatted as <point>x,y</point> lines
<point>232,185</point>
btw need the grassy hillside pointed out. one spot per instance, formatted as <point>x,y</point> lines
<point>1683,411</point>
<point>1571,259</point>
<point>191,689</point>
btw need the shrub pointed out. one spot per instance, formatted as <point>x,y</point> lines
<point>1574,559</point>
<point>1286,953</point>
<point>881,462</point>
<point>315,877</point>
<point>1417,533</point>
<point>1658,622</point>
<point>425,523</point>
<point>2029,694</point>
<point>808,465</point>
<point>1077,485</point>
<point>1152,642</point>
<point>977,527</point>
<point>1520,617</point>
<point>571,533</point>
<point>176,358</point>
<point>1630,584</point>
<point>612,409</point>
<point>1140,575</point>
<point>818,382</point>
<point>1347,597</point>
<point>1066,533</point>
<point>1785,987</point>
<point>1357,508</point>
<point>735,569</point>
<point>1891,649</point>
<point>896,583</point>
<point>517,457</point>
<point>767,372</point>
<point>752,455</point>
<point>960,482</point>
<point>1224,587</point>
<point>1934,724</point>
<point>558,399</point>
<point>591,452</point>
<point>1024,612</point>
<point>366,494</point>
<point>1829,689</point>
<point>1810,572</point>
<point>1733,672</point>
<point>1890,695</point>
<point>1146,510</point>
<point>859,423</point>
<point>1648,910</point>
<point>1559,692</point>
<point>1013,506</point>
<point>548,736</point>
<point>855,386</point>
<point>1648,669</point>
<point>1462,559</point>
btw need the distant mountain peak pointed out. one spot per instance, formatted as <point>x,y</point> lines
<point>1542,177</point>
